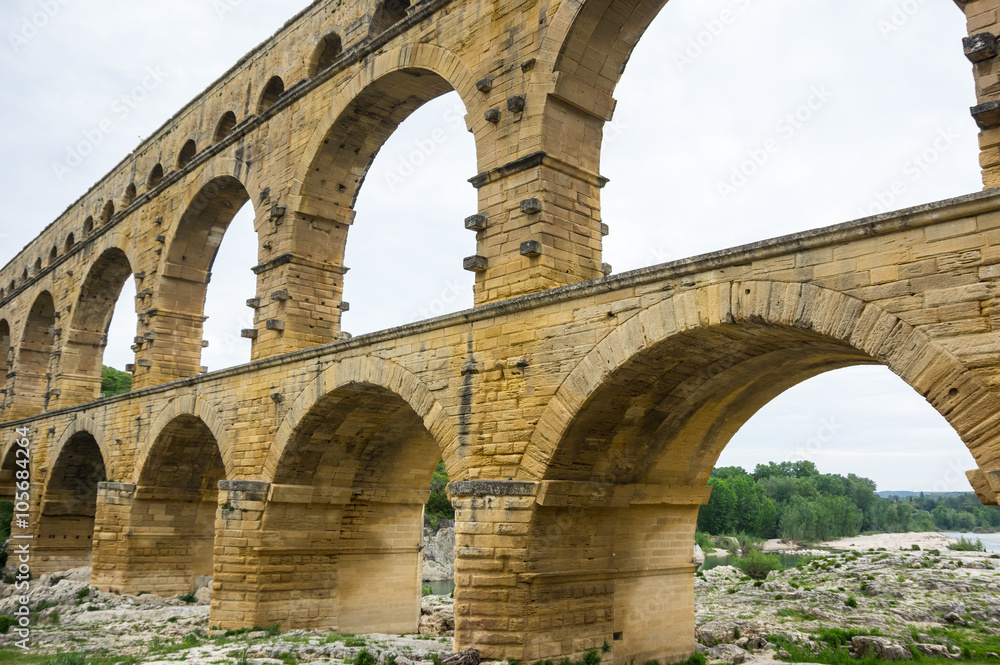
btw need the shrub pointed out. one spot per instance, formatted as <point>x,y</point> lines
<point>756,565</point>
<point>967,545</point>
<point>749,543</point>
<point>427,590</point>
<point>365,657</point>
<point>702,540</point>
<point>189,598</point>
<point>6,623</point>
<point>851,602</point>
<point>838,637</point>
<point>697,659</point>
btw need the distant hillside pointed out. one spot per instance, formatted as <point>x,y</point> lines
<point>903,494</point>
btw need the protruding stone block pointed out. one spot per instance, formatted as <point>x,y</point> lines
<point>275,324</point>
<point>144,362</point>
<point>484,85</point>
<point>980,47</point>
<point>987,115</point>
<point>474,263</point>
<point>254,303</point>
<point>248,333</point>
<point>492,115</point>
<point>531,206</point>
<point>515,104</point>
<point>475,222</point>
<point>280,296</point>
<point>531,248</point>
<point>606,269</point>
<point>605,229</point>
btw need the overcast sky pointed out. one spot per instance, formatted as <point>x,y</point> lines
<point>837,101</point>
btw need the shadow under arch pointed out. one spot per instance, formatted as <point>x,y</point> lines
<point>167,547</point>
<point>6,362</point>
<point>65,527</point>
<point>87,334</point>
<point>625,447</point>
<point>352,463</point>
<point>32,364</point>
<point>187,270</point>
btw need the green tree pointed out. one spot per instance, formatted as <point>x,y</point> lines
<point>719,515</point>
<point>114,382</point>
<point>439,506</point>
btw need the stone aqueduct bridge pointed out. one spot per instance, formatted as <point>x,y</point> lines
<point>580,414</point>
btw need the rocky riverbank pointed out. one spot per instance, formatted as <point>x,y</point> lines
<point>886,603</point>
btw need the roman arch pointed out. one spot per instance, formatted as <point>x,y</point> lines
<point>579,413</point>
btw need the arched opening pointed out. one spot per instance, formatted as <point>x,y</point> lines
<point>53,254</point>
<point>6,360</point>
<point>388,14</point>
<point>69,505</point>
<point>326,53</point>
<point>630,461</point>
<point>225,126</point>
<point>38,265</point>
<point>272,92</point>
<point>88,334</point>
<point>70,241</point>
<point>130,194</point>
<point>364,448</point>
<point>178,485</point>
<point>367,173</point>
<point>24,276</point>
<point>155,176</point>
<point>190,262</point>
<point>34,357</point>
<point>107,213</point>
<point>187,154</point>
<point>88,226</point>
<point>8,472</point>
<point>714,159</point>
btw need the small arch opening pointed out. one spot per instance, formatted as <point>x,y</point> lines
<point>187,154</point>
<point>327,51</point>
<point>155,176</point>
<point>107,213</point>
<point>4,341</point>
<point>70,503</point>
<point>88,226</point>
<point>130,194</point>
<point>53,254</point>
<point>272,92</point>
<point>389,13</point>
<point>225,126</point>
<point>24,275</point>
<point>70,241</point>
<point>38,265</point>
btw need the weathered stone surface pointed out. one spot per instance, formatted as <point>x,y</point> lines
<point>295,480</point>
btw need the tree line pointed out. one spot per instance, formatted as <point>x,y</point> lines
<point>795,502</point>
